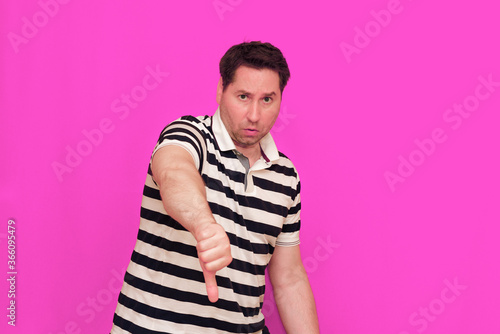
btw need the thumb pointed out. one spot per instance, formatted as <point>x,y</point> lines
<point>211,284</point>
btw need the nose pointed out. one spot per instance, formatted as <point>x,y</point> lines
<point>253,114</point>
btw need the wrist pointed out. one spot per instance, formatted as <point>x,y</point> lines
<point>201,230</point>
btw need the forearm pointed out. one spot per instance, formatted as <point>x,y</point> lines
<point>184,198</point>
<point>181,188</point>
<point>292,291</point>
<point>296,306</point>
<point>183,195</point>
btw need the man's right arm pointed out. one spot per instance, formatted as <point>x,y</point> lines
<point>183,195</point>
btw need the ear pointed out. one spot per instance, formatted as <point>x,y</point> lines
<point>219,91</point>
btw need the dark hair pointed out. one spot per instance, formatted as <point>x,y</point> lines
<point>255,55</point>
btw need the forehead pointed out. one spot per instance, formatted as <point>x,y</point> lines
<point>255,80</point>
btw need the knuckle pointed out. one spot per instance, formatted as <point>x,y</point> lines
<point>200,247</point>
<point>204,234</point>
<point>211,267</point>
<point>202,257</point>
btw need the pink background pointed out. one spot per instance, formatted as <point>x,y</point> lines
<point>381,246</point>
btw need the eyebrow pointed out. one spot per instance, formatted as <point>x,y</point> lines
<point>241,91</point>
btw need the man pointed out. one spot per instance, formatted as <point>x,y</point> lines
<point>220,205</point>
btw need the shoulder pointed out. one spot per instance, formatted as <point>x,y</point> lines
<point>199,122</point>
<point>188,124</point>
<point>285,166</point>
<point>194,119</point>
<point>286,174</point>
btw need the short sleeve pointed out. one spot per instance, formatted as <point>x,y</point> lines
<point>289,235</point>
<point>186,133</point>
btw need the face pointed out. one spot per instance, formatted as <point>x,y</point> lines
<point>249,106</point>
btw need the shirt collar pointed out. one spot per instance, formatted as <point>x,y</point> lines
<point>267,144</point>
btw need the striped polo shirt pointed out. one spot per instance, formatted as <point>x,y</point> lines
<point>259,207</point>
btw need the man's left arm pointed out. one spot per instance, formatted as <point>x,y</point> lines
<point>292,291</point>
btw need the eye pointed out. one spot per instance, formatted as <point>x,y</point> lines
<point>243,97</point>
<point>268,99</point>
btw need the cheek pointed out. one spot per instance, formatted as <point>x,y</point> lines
<point>274,116</point>
<point>235,110</point>
<point>228,112</point>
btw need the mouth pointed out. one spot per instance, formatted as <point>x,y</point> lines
<point>250,131</point>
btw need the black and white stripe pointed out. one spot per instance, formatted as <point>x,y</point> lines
<point>164,289</point>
